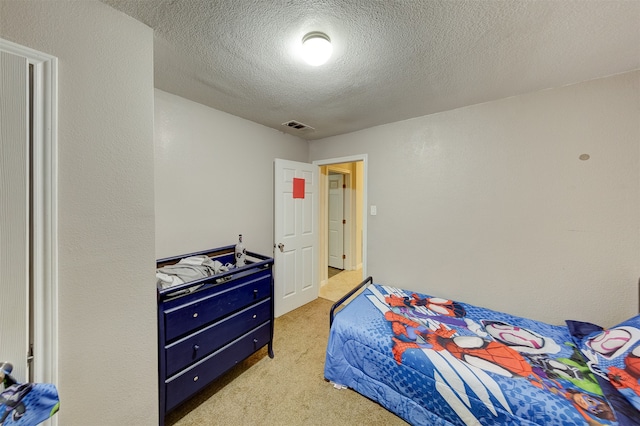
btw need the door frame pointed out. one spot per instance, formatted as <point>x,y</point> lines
<point>44,240</point>
<point>323,261</point>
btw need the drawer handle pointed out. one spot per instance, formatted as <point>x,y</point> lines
<point>255,293</point>
<point>196,347</point>
<point>255,316</point>
<point>195,379</point>
<point>195,315</point>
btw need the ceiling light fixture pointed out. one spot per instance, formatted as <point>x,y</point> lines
<point>316,48</point>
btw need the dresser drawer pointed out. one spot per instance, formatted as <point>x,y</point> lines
<point>195,347</point>
<point>182,320</point>
<point>198,376</point>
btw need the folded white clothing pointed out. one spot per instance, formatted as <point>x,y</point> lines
<point>195,260</point>
<point>166,280</point>
<point>190,269</point>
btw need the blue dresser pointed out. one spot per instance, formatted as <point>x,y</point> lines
<point>202,333</point>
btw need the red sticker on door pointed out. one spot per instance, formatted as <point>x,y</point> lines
<point>298,188</point>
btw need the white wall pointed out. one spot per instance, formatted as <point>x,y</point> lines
<point>491,204</point>
<point>214,177</point>
<point>107,320</point>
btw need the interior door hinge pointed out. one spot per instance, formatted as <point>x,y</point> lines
<point>344,256</point>
<point>30,354</point>
<point>344,221</point>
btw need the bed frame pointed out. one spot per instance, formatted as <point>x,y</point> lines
<point>344,298</point>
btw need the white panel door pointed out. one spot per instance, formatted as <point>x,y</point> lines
<point>14,212</point>
<point>295,235</point>
<point>336,220</point>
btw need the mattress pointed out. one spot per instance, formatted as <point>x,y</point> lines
<point>439,362</point>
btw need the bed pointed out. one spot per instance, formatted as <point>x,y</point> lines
<point>433,361</point>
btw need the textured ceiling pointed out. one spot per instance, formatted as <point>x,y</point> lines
<point>393,59</point>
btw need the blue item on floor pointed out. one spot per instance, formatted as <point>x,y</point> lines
<point>25,404</point>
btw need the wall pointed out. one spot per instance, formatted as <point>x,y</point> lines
<point>491,204</point>
<point>107,322</point>
<point>214,177</point>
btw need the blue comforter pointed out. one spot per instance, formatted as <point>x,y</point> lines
<point>439,362</point>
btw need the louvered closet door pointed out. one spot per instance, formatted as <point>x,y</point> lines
<point>14,212</point>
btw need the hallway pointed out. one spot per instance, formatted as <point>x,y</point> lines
<point>340,283</point>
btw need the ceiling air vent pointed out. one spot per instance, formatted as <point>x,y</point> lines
<point>296,125</point>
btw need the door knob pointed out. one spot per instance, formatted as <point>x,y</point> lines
<point>281,247</point>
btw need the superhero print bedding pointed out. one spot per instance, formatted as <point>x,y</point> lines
<point>433,361</point>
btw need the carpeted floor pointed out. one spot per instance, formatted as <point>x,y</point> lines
<point>287,390</point>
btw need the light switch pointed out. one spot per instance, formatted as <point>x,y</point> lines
<point>374,210</point>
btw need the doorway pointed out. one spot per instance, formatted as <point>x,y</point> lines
<point>337,223</point>
<point>342,229</point>
<point>39,360</point>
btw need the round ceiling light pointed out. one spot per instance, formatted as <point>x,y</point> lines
<point>316,48</point>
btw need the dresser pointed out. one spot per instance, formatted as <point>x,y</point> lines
<point>207,326</point>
